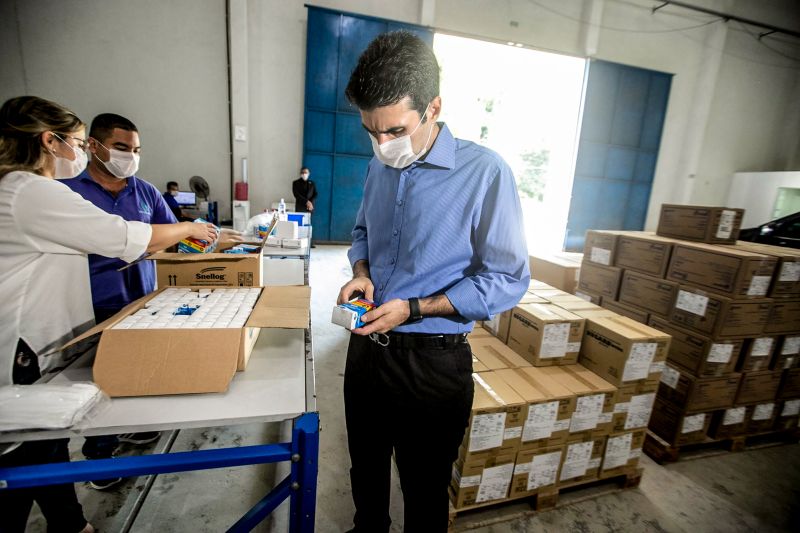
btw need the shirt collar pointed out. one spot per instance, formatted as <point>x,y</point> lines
<point>443,151</point>
<point>85,176</point>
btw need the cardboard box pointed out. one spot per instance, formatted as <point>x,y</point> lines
<point>622,452</point>
<point>644,252</point>
<point>479,333</point>
<point>574,303</point>
<point>676,426</point>
<point>549,407</point>
<point>560,270</point>
<point>495,355</point>
<point>786,281</point>
<point>495,422</point>
<point>545,334</point>
<point>189,360</point>
<point>790,384</point>
<point>726,270</point>
<point>761,417</point>
<point>634,406</point>
<point>548,294</point>
<point>757,354</point>
<point>536,284</point>
<point>500,323</point>
<point>654,295</point>
<point>717,316</point>
<point>758,387</point>
<point>698,354</point>
<point>208,270</point>
<point>621,350</point>
<point>788,353</point>
<point>594,399</point>
<point>629,311</point>
<point>535,470</point>
<point>600,280</point>
<point>600,247</point>
<point>788,415</point>
<point>481,481</point>
<point>700,223</point>
<point>691,394</point>
<point>582,458</point>
<point>592,313</point>
<point>784,317</point>
<point>731,422</point>
<point>477,366</point>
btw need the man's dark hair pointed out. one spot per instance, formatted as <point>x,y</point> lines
<point>172,184</point>
<point>394,65</point>
<point>103,125</point>
<point>305,168</point>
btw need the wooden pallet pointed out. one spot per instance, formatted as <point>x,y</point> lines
<point>663,452</point>
<point>479,515</point>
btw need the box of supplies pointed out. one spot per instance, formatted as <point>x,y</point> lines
<point>218,269</point>
<point>700,223</point>
<point>545,334</point>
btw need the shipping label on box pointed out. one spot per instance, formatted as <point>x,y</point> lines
<point>718,316</point>
<point>595,399</point>
<point>600,246</point>
<point>479,481</point>
<point>535,470</point>
<point>672,424</point>
<point>698,354</point>
<point>646,292</point>
<point>582,460</point>
<point>761,417</point>
<point>757,354</point>
<point>621,350</point>
<point>700,223</point>
<point>545,334</point>
<point>729,423</point>
<point>496,420</point>
<point>644,252</point>
<point>729,271</point>
<point>786,281</point>
<point>622,451</point>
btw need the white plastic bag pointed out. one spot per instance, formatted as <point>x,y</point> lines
<point>50,406</point>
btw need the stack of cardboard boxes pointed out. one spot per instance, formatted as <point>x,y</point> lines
<point>733,312</point>
<point>540,420</point>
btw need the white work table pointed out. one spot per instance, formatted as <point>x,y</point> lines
<point>277,385</point>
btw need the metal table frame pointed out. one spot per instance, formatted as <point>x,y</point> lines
<point>299,486</point>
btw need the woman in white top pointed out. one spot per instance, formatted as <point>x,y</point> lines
<point>46,233</point>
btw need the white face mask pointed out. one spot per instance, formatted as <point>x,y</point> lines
<point>304,175</point>
<point>173,193</point>
<point>66,168</point>
<point>399,153</point>
<point>120,164</point>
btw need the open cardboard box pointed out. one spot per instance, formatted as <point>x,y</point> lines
<point>215,269</point>
<point>149,362</point>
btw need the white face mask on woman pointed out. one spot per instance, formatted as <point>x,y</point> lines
<point>399,152</point>
<point>120,164</point>
<point>66,168</point>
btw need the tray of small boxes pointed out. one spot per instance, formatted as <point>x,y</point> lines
<point>181,340</point>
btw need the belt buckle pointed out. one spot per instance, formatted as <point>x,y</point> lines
<point>376,338</point>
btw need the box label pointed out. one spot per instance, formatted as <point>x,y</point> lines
<point>670,377</point>
<point>790,271</point>
<point>617,451</point>
<point>720,353</point>
<point>622,407</point>
<point>791,345</point>
<point>554,340</point>
<point>733,416</point>
<point>540,421</point>
<point>789,363</point>
<point>587,411</point>
<point>562,425</point>
<point>576,460</point>
<point>601,255</point>
<point>640,410</point>
<point>759,286</point>
<point>470,481</point>
<point>605,418</point>
<point>494,482</point>
<point>763,411</point>
<point>636,453</point>
<point>791,408</point>
<point>692,303</point>
<point>487,431</point>
<point>726,221</point>
<point>762,347</point>
<point>658,367</point>
<point>512,433</point>
<point>544,469</point>
<point>573,347</point>
<point>693,423</point>
<point>638,364</point>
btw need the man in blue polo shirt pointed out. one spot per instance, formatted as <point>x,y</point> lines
<point>109,182</point>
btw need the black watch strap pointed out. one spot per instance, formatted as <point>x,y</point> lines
<point>416,314</point>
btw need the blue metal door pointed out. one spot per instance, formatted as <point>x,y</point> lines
<point>623,115</point>
<point>335,146</point>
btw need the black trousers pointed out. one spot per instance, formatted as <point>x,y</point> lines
<point>58,503</point>
<point>415,403</point>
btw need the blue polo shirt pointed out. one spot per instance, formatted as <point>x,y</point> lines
<point>172,203</point>
<point>141,201</point>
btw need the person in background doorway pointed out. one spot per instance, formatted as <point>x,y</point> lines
<point>437,244</point>
<point>47,232</point>
<point>305,193</point>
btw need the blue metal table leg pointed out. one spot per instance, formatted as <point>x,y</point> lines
<point>263,508</point>
<point>305,456</point>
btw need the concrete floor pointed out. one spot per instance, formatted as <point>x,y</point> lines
<point>749,491</point>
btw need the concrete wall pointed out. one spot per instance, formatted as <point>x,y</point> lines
<point>734,103</point>
<point>161,64</point>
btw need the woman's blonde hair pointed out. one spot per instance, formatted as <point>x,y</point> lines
<point>22,121</point>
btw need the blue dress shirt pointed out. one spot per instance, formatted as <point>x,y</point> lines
<point>449,224</point>
<point>141,201</point>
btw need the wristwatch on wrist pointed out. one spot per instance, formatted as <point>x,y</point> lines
<point>416,314</point>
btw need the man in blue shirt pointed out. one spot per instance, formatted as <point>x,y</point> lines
<point>438,243</point>
<point>109,182</point>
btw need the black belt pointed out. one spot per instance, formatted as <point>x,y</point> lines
<point>418,340</point>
